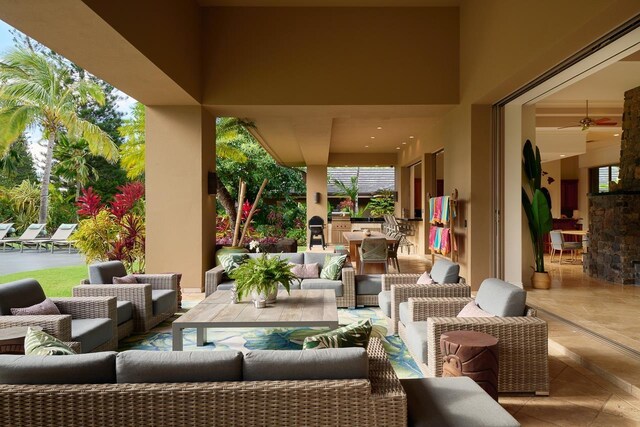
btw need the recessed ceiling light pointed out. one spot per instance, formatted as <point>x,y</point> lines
<point>379,128</point>
<point>373,137</point>
<point>366,146</point>
<point>616,134</point>
<point>397,148</point>
<point>563,155</point>
<point>404,143</point>
<point>411,137</point>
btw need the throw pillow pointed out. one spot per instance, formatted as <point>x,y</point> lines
<point>353,335</point>
<point>129,279</point>
<point>305,271</point>
<point>332,269</point>
<point>425,279</point>
<point>232,261</point>
<point>44,308</point>
<point>472,310</point>
<point>42,344</point>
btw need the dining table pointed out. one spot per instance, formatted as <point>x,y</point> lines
<point>354,240</point>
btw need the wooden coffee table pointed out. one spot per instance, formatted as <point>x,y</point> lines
<point>306,307</point>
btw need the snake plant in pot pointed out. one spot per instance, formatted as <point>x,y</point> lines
<point>260,276</point>
<point>536,207</point>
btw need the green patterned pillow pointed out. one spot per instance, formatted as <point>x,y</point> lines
<point>232,261</point>
<point>42,344</point>
<point>353,335</point>
<point>332,269</point>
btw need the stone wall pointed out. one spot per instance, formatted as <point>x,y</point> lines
<point>614,236</point>
<point>630,141</point>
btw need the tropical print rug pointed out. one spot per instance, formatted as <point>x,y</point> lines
<point>245,339</point>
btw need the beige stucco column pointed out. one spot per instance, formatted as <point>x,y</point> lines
<point>181,214</point>
<point>317,183</point>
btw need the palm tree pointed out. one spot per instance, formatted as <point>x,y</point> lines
<point>37,93</point>
<point>73,162</point>
<point>230,130</point>
<point>132,150</point>
<point>350,190</point>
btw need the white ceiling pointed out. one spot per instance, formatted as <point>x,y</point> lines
<point>605,92</point>
<point>330,3</point>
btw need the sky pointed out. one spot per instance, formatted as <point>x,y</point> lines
<point>34,136</point>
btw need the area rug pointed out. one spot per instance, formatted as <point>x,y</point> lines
<point>245,339</point>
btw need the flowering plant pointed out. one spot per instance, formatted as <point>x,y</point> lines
<point>113,231</point>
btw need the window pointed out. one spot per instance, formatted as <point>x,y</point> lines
<point>600,177</point>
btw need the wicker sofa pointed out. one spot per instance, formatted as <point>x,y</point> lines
<point>376,399</point>
<point>216,278</point>
<point>523,345</point>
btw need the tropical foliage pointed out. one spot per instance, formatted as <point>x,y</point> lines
<point>381,204</point>
<point>535,203</point>
<point>132,151</point>
<point>349,190</point>
<point>36,92</point>
<point>113,231</point>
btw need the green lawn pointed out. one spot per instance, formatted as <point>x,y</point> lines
<point>57,282</point>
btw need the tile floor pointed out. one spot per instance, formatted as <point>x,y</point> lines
<point>578,396</point>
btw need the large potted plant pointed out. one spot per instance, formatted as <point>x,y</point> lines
<point>536,207</point>
<point>260,277</point>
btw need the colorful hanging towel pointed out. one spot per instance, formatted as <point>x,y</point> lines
<point>445,241</point>
<point>431,209</point>
<point>436,212</point>
<point>444,216</point>
<point>440,240</point>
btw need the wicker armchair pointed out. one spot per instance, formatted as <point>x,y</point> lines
<point>143,295</point>
<point>523,343</point>
<point>60,326</point>
<point>401,287</point>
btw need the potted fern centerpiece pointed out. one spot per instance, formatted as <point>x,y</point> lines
<point>536,206</point>
<point>260,277</point>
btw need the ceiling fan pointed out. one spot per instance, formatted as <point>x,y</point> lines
<point>588,122</point>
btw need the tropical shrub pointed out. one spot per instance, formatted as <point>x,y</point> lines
<point>381,204</point>
<point>24,204</point>
<point>114,231</point>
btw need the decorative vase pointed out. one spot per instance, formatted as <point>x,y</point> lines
<point>541,280</point>
<point>270,298</point>
<point>229,250</point>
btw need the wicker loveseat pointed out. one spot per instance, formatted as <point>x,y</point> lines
<point>523,345</point>
<point>376,399</point>
<point>216,278</point>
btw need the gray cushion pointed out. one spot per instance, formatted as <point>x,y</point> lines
<point>384,301</point>
<point>91,333</point>
<point>296,258</point>
<point>138,366</point>
<point>368,284</point>
<point>328,363</point>
<point>311,257</point>
<point>163,301</point>
<point>19,294</point>
<point>104,272</point>
<point>336,285</point>
<point>417,340</point>
<point>445,271</point>
<point>95,368</point>
<point>125,311</point>
<point>452,402</point>
<point>403,313</point>
<point>501,298</point>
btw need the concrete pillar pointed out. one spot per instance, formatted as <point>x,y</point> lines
<point>317,183</point>
<point>181,215</point>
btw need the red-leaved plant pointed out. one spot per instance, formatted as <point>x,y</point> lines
<point>114,231</point>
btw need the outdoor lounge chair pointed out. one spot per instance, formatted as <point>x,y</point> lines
<point>59,239</point>
<point>153,299</point>
<point>86,324</point>
<point>4,230</point>
<point>31,233</point>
